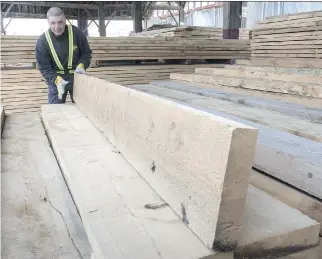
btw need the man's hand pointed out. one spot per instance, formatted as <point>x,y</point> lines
<point>60,83</point>
<point>80,69</point>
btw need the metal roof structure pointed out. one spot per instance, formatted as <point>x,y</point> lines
<point>82,11</point>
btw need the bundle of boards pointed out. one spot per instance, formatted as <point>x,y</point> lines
<point>25,90</point>
<point>193,32</point>
<point>288,36</point>
<point>184,32</point>
<point>198,161</point>
<point>21,49</point>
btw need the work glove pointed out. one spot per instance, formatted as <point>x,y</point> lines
<point>80,69</point>
<point>61,84</point>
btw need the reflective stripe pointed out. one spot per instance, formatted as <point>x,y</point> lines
<point>70,51</point>
<point>70,46</point>
<point>63,72</point>
<point>53,51</point>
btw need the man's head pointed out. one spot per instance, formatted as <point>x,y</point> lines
<point>56,20</point>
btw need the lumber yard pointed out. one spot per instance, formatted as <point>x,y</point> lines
<point>182,139</point>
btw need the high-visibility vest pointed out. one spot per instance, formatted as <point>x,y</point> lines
<point>62,70</point>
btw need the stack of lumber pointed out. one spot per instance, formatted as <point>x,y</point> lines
<point>157,143</point>
<point>245,34</point>
<point>285,62</point>
<point>21,49</point>
<point>194,32</point>
<point>289,142</point>
<point>288,36</point>
<point>282,82</point>
<point>25,89</point>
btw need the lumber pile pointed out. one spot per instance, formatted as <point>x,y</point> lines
<point>25,89</point>
<point>21,49</point>
<point>288,36</point>
<point>194,32</point>
<point>245,34</point>
<point>306,85</point>
<point>165,157</point>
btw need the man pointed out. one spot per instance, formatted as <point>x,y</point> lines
<point>60,52</point>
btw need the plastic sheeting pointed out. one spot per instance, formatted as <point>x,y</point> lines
<point>208,17</point>
<point>255,11</point>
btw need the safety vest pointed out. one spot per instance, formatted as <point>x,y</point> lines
<point>62,70</point>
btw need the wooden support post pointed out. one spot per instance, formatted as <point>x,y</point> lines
<point>181,13</point>
<point>82,22</point>
<point>138,16</point>
<point>101,19</point>
<point>232,19</point>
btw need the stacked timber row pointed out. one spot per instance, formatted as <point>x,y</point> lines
<point>194,32</point>
<point>292,36</point>
<point>274,100</point>
<point>21,49</point>
<point>185,32</point>
<point>25,89</point>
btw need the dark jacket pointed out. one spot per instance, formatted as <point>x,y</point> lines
<point>46,63</point>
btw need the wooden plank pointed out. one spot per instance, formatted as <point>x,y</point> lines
<point>297,48</point>
<point>278,55</point>
<point>290,51</point>
<point>283,107</point>
<point>289,24</point>
<point>271,76</point>
<point>292,197</point>
<point>287,30</point>
<point>35,199</point>
<point>303,234</point>
<point>150,119</point>
<point>308,90</point>
<point>19,111</point>
<point>299,63</point>
<point>296,126</point>
<point>310,253</point>
<point>292,159</point>
<point>289,17</point>
<point>277,232</point>
<point>112,225</point>
<point>304,71</point>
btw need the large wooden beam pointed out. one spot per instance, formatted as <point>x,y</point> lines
<point>114,201</point>
<point>35,199</point>
<point>163,141</point>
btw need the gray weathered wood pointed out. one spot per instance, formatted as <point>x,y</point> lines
<point>111,195</point>
<point>154,135</point>
<point>301,89</point>
<point>39,218</point>
<point>292,159</point>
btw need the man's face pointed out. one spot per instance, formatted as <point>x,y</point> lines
<point>57,24</point>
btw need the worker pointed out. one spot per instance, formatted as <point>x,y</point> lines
<point>60,52</point>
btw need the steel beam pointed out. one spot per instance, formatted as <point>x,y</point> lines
<point>232,12</point>
<point>55,4</point>
<point>101,20</point>
<point>138,16</point>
